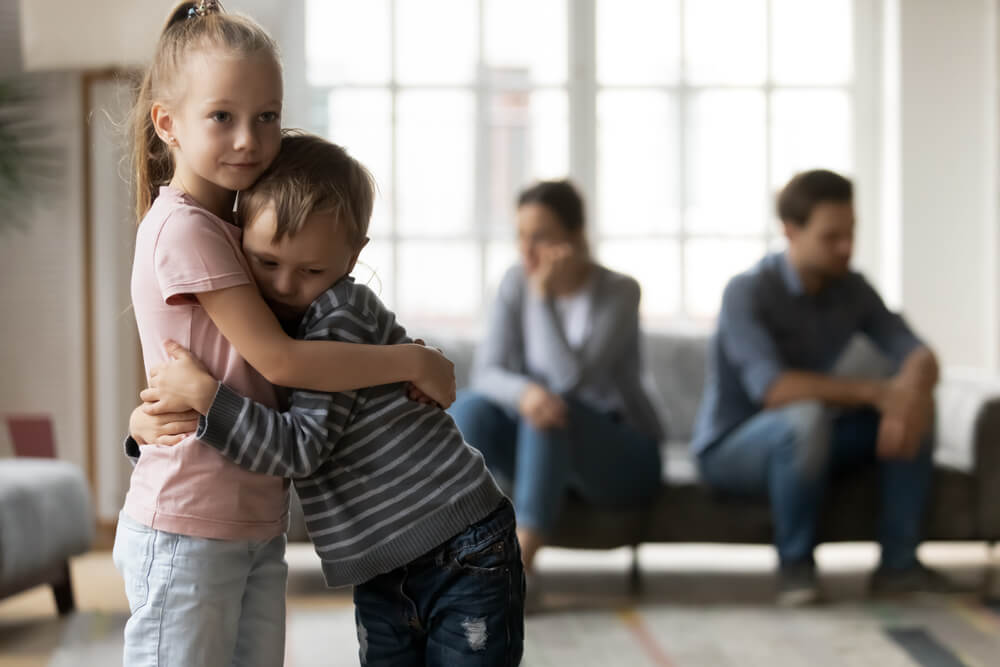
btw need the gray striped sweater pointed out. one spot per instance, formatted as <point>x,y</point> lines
<point>382,479</point>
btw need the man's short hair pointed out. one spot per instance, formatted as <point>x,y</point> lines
<point>311,175</point>
<point>806,190</point>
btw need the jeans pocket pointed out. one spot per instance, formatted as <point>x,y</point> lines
<point>492,558</point>
<point>132,554</point>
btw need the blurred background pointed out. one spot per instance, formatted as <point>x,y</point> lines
<point>679,119</point>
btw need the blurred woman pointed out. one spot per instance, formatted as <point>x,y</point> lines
<point>556,404</point>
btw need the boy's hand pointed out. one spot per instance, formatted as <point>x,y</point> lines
<point>435,375</point>
<point>165,429</point>
<point>180,384</point>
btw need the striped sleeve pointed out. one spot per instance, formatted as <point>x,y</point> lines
<point>287,444</point>
<point>296,442</point>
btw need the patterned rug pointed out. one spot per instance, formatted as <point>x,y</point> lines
<point>952,632</point>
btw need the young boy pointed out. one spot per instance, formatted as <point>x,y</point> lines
<point>396,503</point>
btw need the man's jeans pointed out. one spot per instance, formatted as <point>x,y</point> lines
<point>197,601</point>
<point>603,459</point>
<point>460,604</point>
<point>790,455</point>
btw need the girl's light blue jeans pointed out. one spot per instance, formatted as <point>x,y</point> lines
<point>198,601</point>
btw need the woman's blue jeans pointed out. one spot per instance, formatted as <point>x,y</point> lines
<point>602,459</point>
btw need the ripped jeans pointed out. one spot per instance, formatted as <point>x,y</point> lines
<point>459,604</point>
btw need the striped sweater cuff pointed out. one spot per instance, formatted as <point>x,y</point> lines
<point>215,427</point>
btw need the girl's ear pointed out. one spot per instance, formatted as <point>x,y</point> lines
<point>162,122</point>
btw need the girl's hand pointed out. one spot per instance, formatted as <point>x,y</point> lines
<point>165,429</point>
<point>542,408</point>
<point>412,392</point>
<point>180,384</point>
<point>435,375</point>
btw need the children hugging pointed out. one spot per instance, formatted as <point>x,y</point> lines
<point>391,491</point>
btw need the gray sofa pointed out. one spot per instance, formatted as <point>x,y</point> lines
<point>45,518</point>
<point>966,498</point>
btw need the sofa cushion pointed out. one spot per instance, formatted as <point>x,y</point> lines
<point>45,515</point>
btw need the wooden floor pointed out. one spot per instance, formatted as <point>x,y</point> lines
<point>696,574</point>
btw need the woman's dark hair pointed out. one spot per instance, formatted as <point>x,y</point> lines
<point>805,191</point>
<point>561,197</point>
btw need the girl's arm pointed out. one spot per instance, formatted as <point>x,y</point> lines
<point>249,325</point>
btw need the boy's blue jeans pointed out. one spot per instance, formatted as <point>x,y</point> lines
<point>790,454</point>
<point>606,461</point>
<point>460,604</point>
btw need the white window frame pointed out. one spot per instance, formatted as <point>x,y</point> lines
<point>582,89</point>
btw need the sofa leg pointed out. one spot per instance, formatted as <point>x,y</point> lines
<point>62,590</point>
<point>635,573</point>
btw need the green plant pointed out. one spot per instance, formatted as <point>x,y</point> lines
<point>29,164</point>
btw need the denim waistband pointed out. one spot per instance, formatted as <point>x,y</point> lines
<point>486,530</point>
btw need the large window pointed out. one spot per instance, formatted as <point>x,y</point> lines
<point>678,118</point>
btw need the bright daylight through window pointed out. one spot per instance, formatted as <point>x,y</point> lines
<point>678,126</point>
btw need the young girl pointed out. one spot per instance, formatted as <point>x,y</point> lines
<point>201,542</point>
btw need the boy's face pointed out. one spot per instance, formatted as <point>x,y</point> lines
<point>294,271</point>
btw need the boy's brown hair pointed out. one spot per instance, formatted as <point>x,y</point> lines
<point>311,175</point>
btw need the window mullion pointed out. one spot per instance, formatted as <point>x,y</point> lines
<point>481,200</point>
<point>769,225</point>
<point>683,93</point>
<point>394,153</point>
<point>582,82</point>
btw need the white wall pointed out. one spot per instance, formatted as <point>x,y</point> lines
<point>944,161</point>
<point>41,291</point>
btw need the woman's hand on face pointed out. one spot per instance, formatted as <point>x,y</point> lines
<point>164,429</point>
<point>553,261</point>
<point>180,384</point>
<point>542,408</point>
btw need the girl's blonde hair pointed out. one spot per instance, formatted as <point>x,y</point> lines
<point>191,26</point>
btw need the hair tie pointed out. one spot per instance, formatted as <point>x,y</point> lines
<point>203,8</point>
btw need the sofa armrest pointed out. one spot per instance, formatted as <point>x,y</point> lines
<point>968,437</point>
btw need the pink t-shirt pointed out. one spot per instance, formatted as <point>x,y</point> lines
<point>191,489</point>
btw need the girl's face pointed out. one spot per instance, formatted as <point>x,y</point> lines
<point>225,127</point>
<point>537,227</point>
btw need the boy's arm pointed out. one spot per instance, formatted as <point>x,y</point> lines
<point>287,444</point>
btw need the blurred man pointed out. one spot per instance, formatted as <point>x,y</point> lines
<point>786,406</point>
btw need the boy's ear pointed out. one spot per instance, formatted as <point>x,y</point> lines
<point>162,122</point>
<point>354,257</point>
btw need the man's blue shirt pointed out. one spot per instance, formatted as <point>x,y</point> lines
<point>768,325</point>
